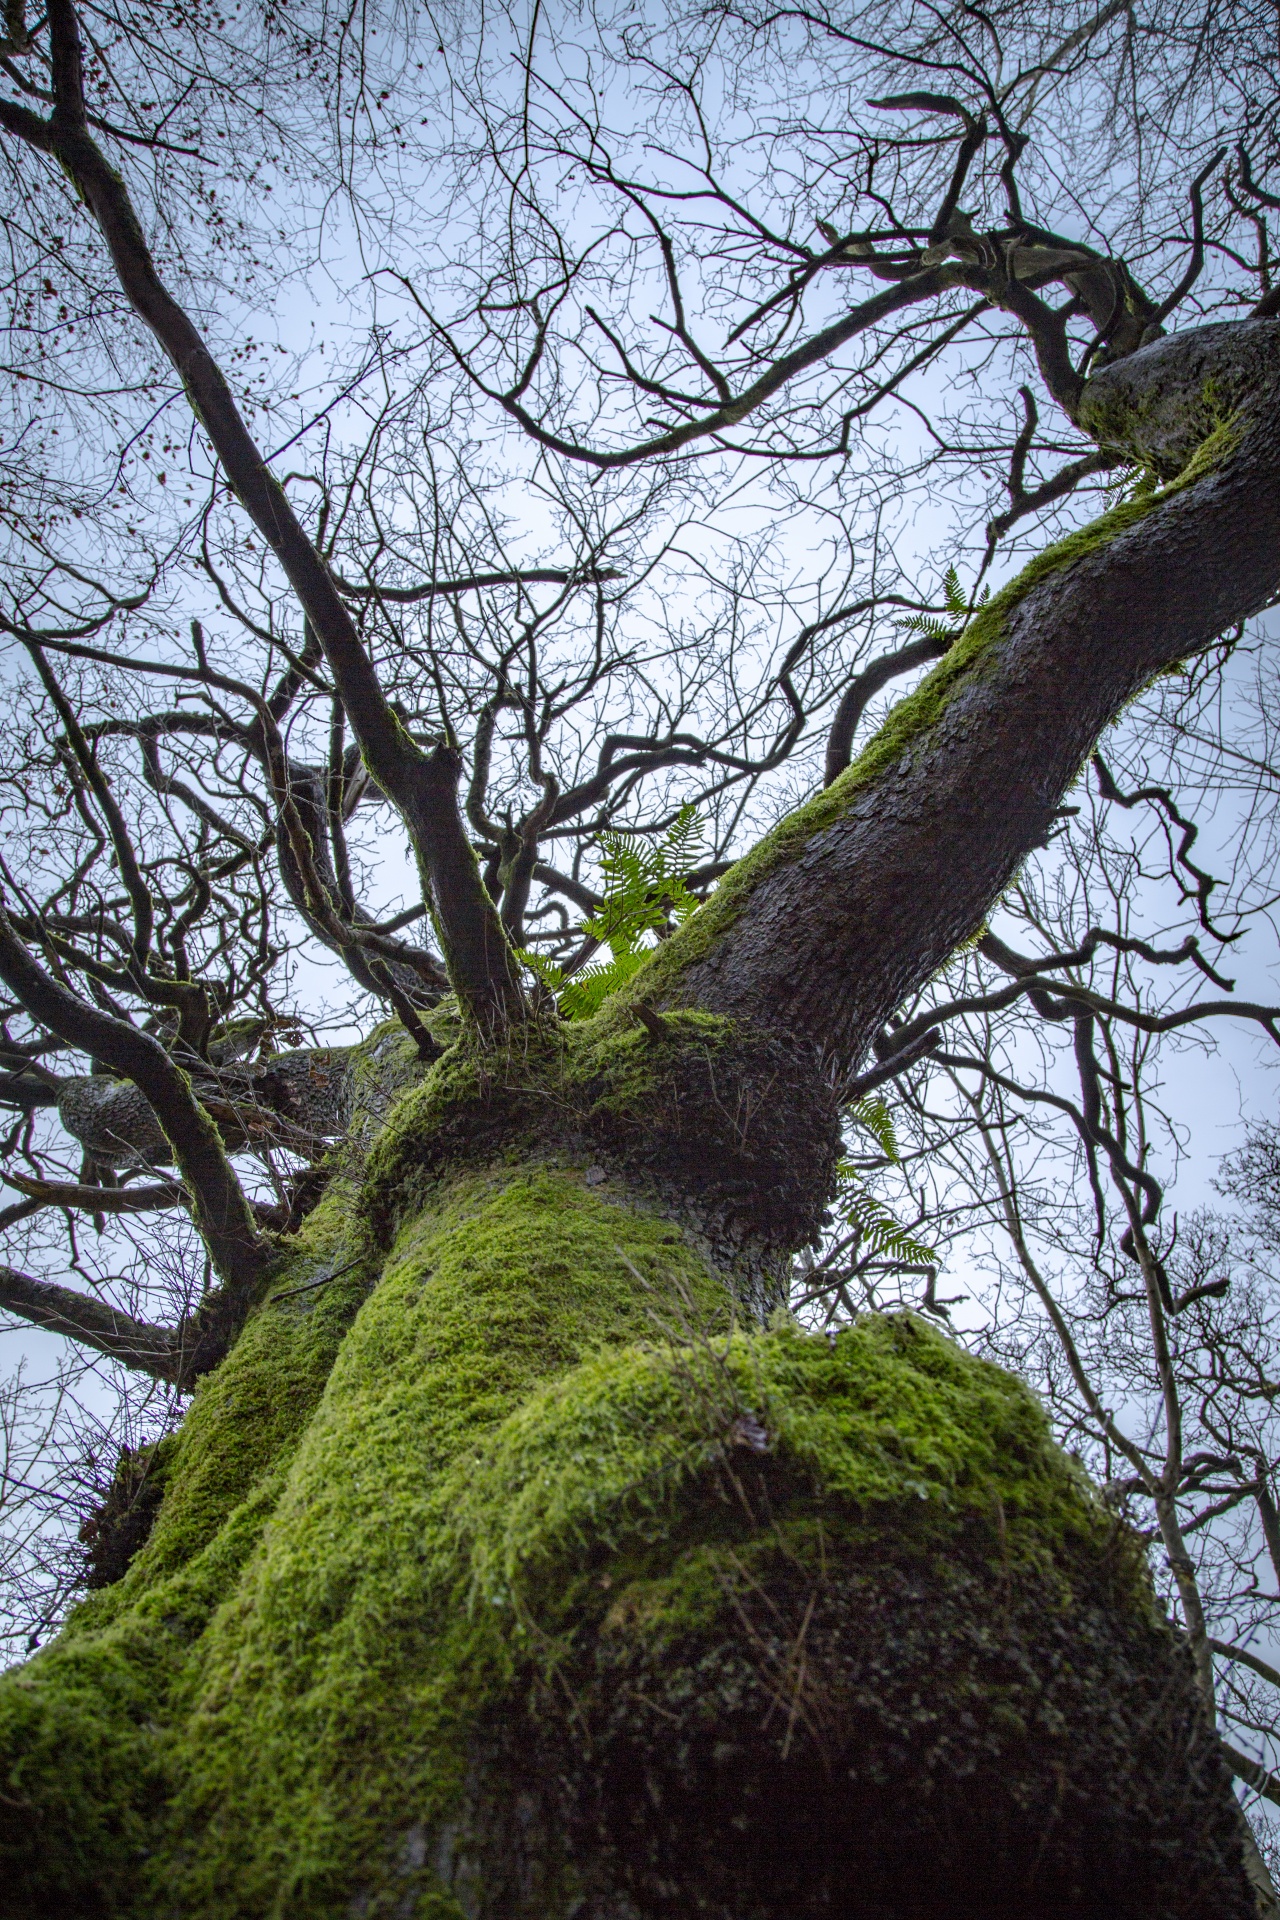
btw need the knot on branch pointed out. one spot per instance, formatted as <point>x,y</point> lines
<point>297,1101</point>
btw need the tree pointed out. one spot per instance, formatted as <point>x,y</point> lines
<point>517,1552</point>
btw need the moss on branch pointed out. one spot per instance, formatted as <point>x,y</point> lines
<point>737,1129</point>
<point>908,721</point>
<point>497,1574</point>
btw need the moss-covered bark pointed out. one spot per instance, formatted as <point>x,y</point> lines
<point>520,1570</point>
<point>837,916</point>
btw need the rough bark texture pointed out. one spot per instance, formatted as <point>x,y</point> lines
<point>298,1099</point>
<point>877,882</point>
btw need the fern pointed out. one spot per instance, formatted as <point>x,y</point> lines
<point>1132,482</point>
<point>645,888</point>
<point>930,627</point>
<point>873,1115</point>
<point>880,1232</point>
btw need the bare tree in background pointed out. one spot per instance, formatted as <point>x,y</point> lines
<point>464,488</point>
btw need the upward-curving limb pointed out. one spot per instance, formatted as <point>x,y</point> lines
<point>911,847</point>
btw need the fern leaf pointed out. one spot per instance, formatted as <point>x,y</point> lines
<point>587,991</point>
<point>953,592</point>
<point>644,889</point>
<point>926,625</point>
<point>874,1117</point>
<point>551,976</point>
<point>881,1233</point>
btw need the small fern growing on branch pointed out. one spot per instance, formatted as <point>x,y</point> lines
<point>645,891</point>
<point>929,627</point>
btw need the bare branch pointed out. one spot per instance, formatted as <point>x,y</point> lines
<point>92,1323</point>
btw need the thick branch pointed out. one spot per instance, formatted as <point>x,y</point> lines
<point>926,285</point>
<point>859,898</point>
<point>63,1193</point>
<point>80,1317</point>
<point>1260,1778</point>
<point>863,689</point>
<point>423,785</point>
<point>1247,1658</point>
<point>476,582</point>
<point>221,1210</point>
<point>297,1100</point>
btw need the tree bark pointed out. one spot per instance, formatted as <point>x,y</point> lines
<point>510,1567</point>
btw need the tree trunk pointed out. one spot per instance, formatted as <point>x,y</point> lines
<point>528,1567</point>
<point>522,1561</point>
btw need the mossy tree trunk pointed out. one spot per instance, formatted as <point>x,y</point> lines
<point>520,1560</point>
<point>518,1570</point>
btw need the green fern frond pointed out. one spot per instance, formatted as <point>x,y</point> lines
<point>645,888</point>
<point>684,840</point>
<point>873,1115</point>
<point>928,627</point>
<point>879,1231</point>
<point>957,605</point>
<point>587,991</point>
<point>1130,482</point>
<point>545,971</point>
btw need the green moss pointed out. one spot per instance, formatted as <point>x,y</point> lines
<point>426,1505</point>
<point>847,1594</point>
<point>913,716</point>
<point>542,1455</point>
<point>621,1068</point>
<point>889,1414</point>
<point>545,1084</point>
<point>489,1477</point>
<point>734,1129</point>
<point>386,1062</point>
<point>473,1099</point>
<point>83,1782</point>
<point>326,1699</point>
<point>1138,422</point>
<point>247,1416</point>
<point>85,1727</point>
